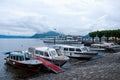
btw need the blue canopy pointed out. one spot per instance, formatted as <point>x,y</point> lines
<point>16,54</point>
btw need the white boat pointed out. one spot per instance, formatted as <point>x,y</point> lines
<point>59,40</point>
<point>105,46</point>
<point>49,54</point>
<point>75,52</point>
<point>113,47</point>
<point>23,61</point>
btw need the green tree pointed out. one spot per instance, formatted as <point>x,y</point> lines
<point>92,35</point>
<point>100,34</point>
<point>107,34</point>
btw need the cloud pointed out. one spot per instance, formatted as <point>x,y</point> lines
<point>26,17</point>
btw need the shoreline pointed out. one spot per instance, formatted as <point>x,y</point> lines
<point>105,68</point>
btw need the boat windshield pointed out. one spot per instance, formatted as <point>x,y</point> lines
<point>53,53</point>
<point>84,49</point>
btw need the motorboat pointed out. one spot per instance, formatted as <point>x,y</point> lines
<point>23,61</point>
<point>75,52</point>
<point>113,47</point>
<point>57,41</point>
<point>63,40</point>
<point>101,46</point>
<point>49,54</point>
<point>106,46</point>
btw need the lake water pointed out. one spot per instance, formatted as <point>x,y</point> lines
<point>18,44</point>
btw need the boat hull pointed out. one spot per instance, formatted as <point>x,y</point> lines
<point>85,55</point>
<point>27,67</point>
<point>63,42</point>
<point>115,49</point>
<point>58,62</point>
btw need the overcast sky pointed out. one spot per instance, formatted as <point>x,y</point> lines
<point>26,17</point>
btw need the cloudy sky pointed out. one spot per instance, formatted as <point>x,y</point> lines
<point>26,17</point>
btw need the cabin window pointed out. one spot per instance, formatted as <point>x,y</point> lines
<point>53,53</point>
<point>46,54</point>
<point>31,50</point>
<point>65,49</point>
<point>21,58</point>
<point>10,57</point>
<point>14,57</point>
<point>71,49</point>
<point>37,52</point>
<point>84,49</point>
<point>41,53</point>
<point>27,56</point>
<point>78,50</point>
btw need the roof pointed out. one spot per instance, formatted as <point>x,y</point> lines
<point>66,46</point>
<point>43,48</point>
<point>16,54</point>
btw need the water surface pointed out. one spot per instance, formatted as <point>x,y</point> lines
<point>7,72</point>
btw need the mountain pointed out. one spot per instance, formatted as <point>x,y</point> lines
<point>37,35</point>
<point>13,36</point>
<point>86,36</point>
<point>46,34</point>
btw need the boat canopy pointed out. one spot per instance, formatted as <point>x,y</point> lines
<point>16,54</point>
<point>66,46</point>
<point>45,49</point>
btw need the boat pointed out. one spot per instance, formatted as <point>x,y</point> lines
<point>63,40</point>
<point>75,52</point>
<point>113,47</point>
<point>23,61</point>
<point>105,46</point>
<point>100,45</point>
<point>49,54</point>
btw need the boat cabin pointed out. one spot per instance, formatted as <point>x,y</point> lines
<point>43,52</point>
<point>81,52</point>
<point>18,56</point>
<point>67,48</point>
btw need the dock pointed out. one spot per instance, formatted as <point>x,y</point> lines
<point>50,65</point>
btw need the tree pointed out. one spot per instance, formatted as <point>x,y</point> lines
<point>100,34</point>
<point>106,34</point>
<point>92,34</point>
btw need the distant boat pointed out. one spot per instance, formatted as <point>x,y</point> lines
<point>49,54</point>
<point>75,52</point>
<point>24,61</point>
<point>101,45</point>
<point>106,46</point>
<point>113,47</point>
<point>61,41</point>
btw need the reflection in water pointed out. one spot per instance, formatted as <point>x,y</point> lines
<point>18,74</point>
